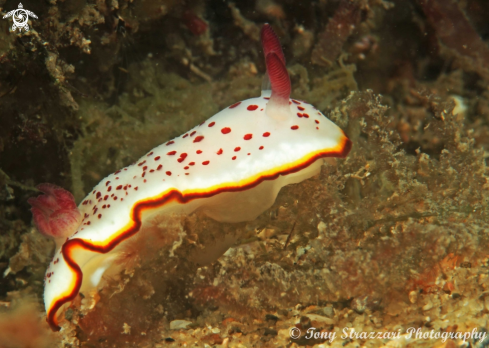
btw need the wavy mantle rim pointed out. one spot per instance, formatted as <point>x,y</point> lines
<point>131,229</point>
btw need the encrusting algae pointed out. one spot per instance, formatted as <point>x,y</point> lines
<point>390,238</point>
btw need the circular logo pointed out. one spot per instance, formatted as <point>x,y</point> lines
<point>295,333</point>
<point>20,18</point>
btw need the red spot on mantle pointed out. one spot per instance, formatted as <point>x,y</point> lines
<point>211,124</point>
<point>219,152</point>
<point>296,102</point>
<point>248,136</point>
<point>170,142</point>
<point>168,173</point>
<point>294,127</point>
<point>252,107</point>
<point>236,149</point>
<point>226,130</point>
<point>234,105</point>
<point>301,108</point>
<point>205,163</point>
<point>266,134</point>
<point>182,157</point>
<point>198,138</point>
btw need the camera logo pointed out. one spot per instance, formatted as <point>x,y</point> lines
<point>20,18</point>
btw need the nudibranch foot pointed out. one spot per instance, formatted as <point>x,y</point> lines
<point>231,168</point>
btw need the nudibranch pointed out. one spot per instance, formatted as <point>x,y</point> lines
<point>231,167</point>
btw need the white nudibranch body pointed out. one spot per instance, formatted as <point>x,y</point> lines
<point>231,167</point>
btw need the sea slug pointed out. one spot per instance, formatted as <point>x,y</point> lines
<point>231,167</point>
